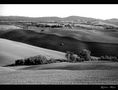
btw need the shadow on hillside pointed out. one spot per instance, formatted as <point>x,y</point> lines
<point>72,66</point>
<point>54,42</point>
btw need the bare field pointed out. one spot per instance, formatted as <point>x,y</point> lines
<point>63,75</point>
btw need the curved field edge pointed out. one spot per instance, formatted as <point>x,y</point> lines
<point>11,50</point>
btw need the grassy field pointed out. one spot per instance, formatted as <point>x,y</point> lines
<point>11,51</point>
<point>92,72</point>
<point>62,73</point>
<point>53,42</point>
<point>8,27</point>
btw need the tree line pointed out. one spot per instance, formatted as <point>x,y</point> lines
<point>82,55</point>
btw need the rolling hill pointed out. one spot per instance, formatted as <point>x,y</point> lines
<point>112,21</point>
<point>76,19</point>
<point>44,19</point>
<point>86,35</point>
<point>61,43</point>
<point>98,41</point>
<point>11,50</point>
<point>8,27</point>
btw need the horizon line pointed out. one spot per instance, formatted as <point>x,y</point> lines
<point>54,16</point>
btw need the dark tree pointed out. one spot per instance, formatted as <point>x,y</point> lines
<point>68,55</point>
<point>19,62</point>
<point>86,54</point>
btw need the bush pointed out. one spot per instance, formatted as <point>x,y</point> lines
<point>68,55</point>
<point>83,55</point>
<point>94,58</point>
<point>19,62</point>
<point>51,60</point>
<point>86,54</point>
<point>109,58</point>
<point>80,60</point>
<point>36,60</point>
<point>60,60</point>
<point>32,60</point>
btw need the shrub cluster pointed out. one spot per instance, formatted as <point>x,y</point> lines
<point>83,55</point>
<point>32,60</point>
<point>108,58</point>
<point>36,60</point>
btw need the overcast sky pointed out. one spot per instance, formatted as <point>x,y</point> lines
<point>99,11</point>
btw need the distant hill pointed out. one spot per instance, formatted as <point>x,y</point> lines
<point>8,27</point>
<point>99,41</point>
<point>47,19</point>
<point>29,19</point>
<point>61,43</point>
<point>72,19</point>
<point>112,21</point>
<point>79,19</point>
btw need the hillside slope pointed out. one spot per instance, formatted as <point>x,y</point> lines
<point>11,50</point>
<point>60,43</point>
<point>86,35</point>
